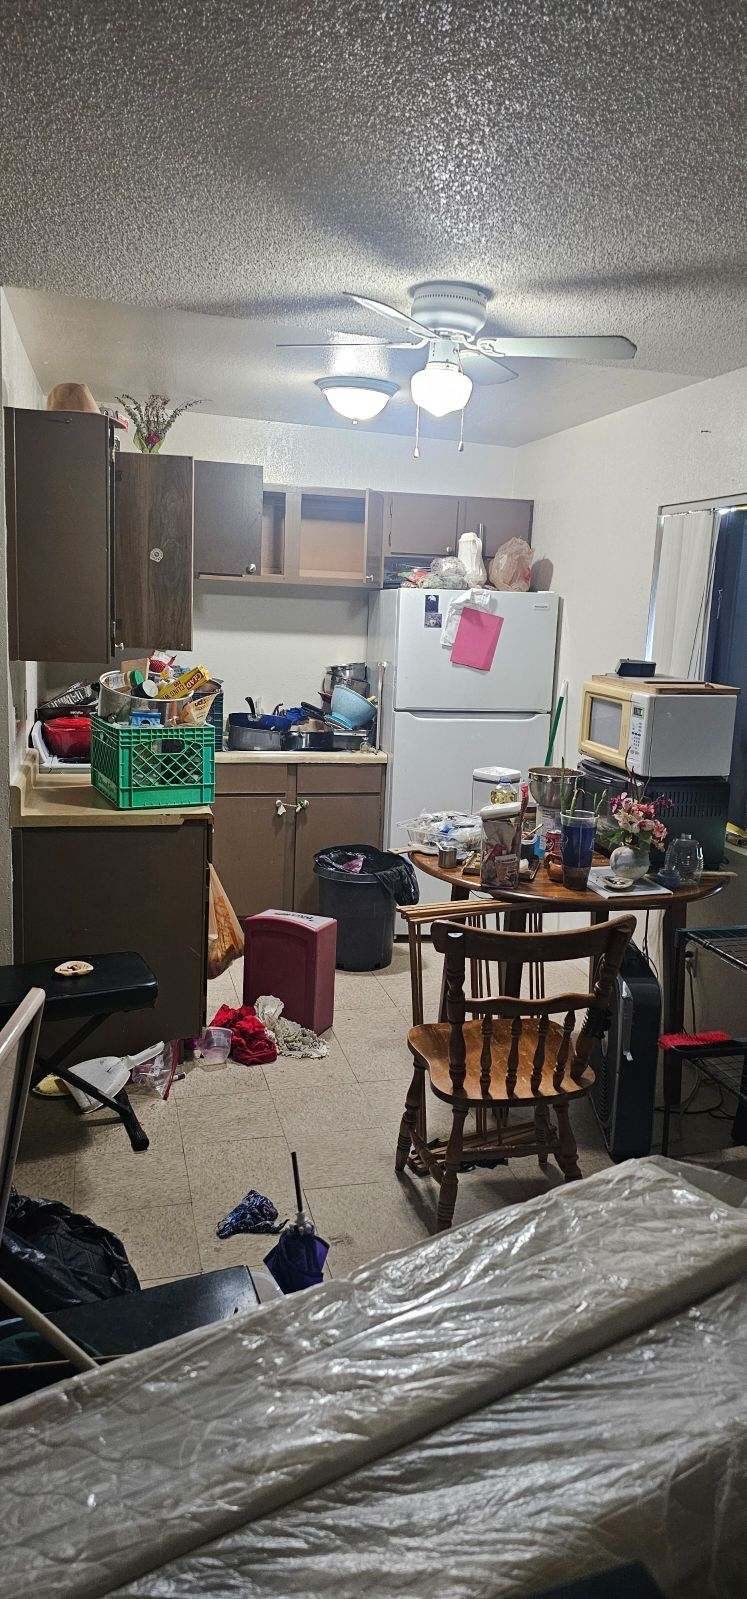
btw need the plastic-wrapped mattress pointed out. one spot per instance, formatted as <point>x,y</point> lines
<point>539,1394</point>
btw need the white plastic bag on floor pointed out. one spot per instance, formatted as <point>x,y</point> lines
<point>290,1037</point>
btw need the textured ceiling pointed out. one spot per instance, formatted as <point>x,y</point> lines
<point>251,161</point>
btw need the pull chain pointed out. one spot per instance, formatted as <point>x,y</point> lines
<point>460,446</point>
<point>416,451</point>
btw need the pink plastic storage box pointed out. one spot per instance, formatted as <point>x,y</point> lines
<point>292,956</point>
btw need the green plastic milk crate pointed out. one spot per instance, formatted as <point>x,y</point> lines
<point>139,768</point>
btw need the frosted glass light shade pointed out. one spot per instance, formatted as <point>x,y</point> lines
<point>356,398</point>
<point>440,387</point>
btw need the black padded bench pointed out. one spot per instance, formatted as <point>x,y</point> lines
<point>120,982</point>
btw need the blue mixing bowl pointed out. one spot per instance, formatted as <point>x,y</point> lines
<point>350,710</point>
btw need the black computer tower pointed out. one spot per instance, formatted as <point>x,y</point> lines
<point>625,1060</point>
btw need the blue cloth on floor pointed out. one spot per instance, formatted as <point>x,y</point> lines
<point>253,1214</point>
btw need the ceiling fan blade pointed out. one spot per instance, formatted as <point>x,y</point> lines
<point>329,344</point>
<point>592,347</point>
<point>390,311</point>
<point>484,368</point>
<point>340,341</point>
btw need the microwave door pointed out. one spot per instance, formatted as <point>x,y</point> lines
<point>688,735</point>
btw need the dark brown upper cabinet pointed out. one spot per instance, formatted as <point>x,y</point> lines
<point>500,520</point>
<point>228,519</point>
<point>420,524</point>
<point>59,497</point>
<point>153,551</point>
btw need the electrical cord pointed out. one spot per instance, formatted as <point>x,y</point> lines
<point>716,1110</point>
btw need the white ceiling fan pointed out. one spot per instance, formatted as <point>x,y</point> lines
<point>449,317</point>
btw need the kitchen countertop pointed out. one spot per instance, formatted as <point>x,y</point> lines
<point>66,799</point>
<point>302,757</point>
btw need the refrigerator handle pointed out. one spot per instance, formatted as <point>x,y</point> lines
<point>382,666</point>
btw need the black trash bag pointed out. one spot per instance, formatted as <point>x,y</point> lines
<point>395,873</point>
<point>57,1258</point>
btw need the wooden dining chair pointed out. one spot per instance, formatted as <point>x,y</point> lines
<point>511,1054</point>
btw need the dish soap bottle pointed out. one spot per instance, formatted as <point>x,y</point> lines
<point>470,555</point>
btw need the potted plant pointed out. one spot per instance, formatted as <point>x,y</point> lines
<point>152,420</point>
<point>636,828</point>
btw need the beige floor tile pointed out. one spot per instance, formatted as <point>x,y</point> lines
<point>362,1221</point>
<point>102,1133</point>
<point>217,1082</point>
<point>52,1127</point>
<point>220,1174</point>
<point>381,1058</point>
<point>244,1249</point>
<point>357,990</point>
<point>353,1155</point>
<point>232,1120</point>
<point>160,1240</point>
<point>119,1174</point>
<point>352,1025</point>
<point>46,1177</point>
<point>286,1078</point>
<point>319,1110</point>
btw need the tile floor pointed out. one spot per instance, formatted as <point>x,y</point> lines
<point>229,1128</point>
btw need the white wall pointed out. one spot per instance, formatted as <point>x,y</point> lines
<point>17,683</point>
<point>597,489</point>
<point>278,647</point>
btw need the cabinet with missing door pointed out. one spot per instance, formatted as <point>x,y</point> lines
<point>272,816</point>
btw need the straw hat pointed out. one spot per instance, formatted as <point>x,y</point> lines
<point>71,397</point>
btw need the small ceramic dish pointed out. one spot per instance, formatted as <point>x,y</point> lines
<point>74,969</point>
<point>620,885</point>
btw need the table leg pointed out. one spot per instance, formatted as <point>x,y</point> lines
<point>514,921</point>
<point>739,1124</point>
<point>673,1007</point>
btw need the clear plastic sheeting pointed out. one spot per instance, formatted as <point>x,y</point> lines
<point>542,1393</point>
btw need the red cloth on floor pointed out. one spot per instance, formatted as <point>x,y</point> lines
<point>251,1043</point>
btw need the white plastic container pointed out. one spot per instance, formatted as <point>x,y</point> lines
<point>213,1047</point>
<point>495,785</point>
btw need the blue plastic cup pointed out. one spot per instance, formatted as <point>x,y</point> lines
<point>578,833</point>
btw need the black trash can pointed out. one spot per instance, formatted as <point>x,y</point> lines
<point>363,901</point>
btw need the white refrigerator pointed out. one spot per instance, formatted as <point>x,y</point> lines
<point>440,721</point>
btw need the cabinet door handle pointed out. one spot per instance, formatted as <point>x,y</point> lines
<point>252,568</point>
<point>156,554</point>
<point>280,807</point>
<point>301,805</point>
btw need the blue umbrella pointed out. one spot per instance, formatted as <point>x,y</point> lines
<point>297,1261</point>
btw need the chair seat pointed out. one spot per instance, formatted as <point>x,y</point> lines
<point>431,1043</point>
<point>118,982</point>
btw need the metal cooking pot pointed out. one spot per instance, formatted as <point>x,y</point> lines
<point>353,676</point>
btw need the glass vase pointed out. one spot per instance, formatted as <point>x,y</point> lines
<point>631,860</point>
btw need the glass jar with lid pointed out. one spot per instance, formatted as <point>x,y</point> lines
<point>684,859</point>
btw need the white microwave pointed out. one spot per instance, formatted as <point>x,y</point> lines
<point>659,727</point>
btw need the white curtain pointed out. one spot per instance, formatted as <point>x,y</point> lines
<point>683,593</point>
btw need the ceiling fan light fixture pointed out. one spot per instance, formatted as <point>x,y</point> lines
<point>358,399</point>
<point>440,387</point>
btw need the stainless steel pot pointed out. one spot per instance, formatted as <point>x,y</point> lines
<point>354,676</point>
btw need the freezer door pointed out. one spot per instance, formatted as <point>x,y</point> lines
<point>434,756</point>
<point>523,671</point>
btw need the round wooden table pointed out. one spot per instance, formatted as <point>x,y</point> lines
<point>543,895</point>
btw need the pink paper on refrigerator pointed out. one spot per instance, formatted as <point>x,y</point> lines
<point>476,639</point>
